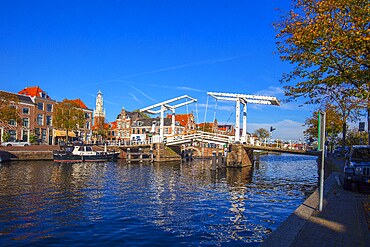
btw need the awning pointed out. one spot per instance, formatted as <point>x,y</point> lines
<point>63,133</point>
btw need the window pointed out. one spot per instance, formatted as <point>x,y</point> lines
<point>12,122</point>
<point>25,136</point>
<point>49,107</point>
<point>40,106</point>
<point>26,110</point>
<point>37,133</point>
<point>40,120</point>
<point>87,125</point>
<point>12,135</point>
<point>48,120</point>
<point>43,137</point>
<point>87,115</point>
<point>25,122</point>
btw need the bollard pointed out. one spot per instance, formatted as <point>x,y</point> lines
<point>141,155</point>
<point>220,159</point>
<point>128,155</point>
<point>213,161</point>
<point>151,155</point>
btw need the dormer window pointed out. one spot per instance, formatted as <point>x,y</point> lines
<point>139,123</point>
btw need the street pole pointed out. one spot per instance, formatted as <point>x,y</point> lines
<point>321,130</point>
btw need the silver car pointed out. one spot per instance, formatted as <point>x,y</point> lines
<point>15,143</point>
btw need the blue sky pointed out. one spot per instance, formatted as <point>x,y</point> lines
<point>143,52</point>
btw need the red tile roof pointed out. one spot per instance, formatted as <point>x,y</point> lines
<point>33,92</point>
<point>80,103</point>
<point>113,125</point>
<point>183,119</point>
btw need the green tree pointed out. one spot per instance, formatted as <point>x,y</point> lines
<point>262,133</point>
<point>334,125</point>
<point>68,116</point>
<point>328,43</point>
<point>356,137</point>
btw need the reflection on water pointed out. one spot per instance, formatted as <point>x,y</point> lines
<point>143,204</point>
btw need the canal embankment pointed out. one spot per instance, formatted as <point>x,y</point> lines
<point>344,220</point>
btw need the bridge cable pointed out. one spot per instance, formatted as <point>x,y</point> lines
<point>187,113</point>
<point>205,114</point>
<point>196,111</point>
<point>214,115</point>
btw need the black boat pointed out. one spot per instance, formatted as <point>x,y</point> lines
<point>83,153</point>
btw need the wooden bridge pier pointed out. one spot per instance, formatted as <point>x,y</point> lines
<point>217,161</point>
<point>139,156</point>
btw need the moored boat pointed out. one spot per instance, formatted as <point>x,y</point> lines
<point>83,153</point>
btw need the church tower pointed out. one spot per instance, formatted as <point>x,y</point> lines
<point>99,112</point>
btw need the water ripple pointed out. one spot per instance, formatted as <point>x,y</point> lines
<point>171,204</point>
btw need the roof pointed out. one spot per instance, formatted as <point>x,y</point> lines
<point>183,119</point>
<point>113,125</point>
<point>80,103</point>
<point>148,122</point>
<point>21,98</point>
<point>34,92</point>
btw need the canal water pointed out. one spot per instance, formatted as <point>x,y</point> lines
<point>171,204</point>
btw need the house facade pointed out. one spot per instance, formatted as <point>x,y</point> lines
<point>84,132</point>
<point>44,107</point>
<point>23,129</point>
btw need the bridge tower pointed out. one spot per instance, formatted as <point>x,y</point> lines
<point>164,106</point>
<point>243,99</point>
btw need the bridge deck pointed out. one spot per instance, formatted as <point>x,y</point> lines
<point>282,150</point>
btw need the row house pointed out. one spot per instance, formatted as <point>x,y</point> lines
<point>43,128</point>
<point>185,120</point>
<point>84,132</point>
<point>36,110</point>
<point>148,127</point>
<point>20,130</point>
<point>120,130</point>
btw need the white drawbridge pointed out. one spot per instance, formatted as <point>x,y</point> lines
<point>164,106</point>
<point>244,99</point>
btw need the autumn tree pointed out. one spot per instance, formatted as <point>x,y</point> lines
<point>356,137</point>
<point>334,125</point>
<point>328,44</point>
<point>262,133</point>
<point>68,116</point>
<point>8,109</point>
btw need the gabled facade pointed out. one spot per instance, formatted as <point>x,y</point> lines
<point>185,120</point>
<point>43,128</point>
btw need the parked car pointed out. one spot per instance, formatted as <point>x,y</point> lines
<point>357,167</point>
<point>15,143</point>
<point>341,152</point>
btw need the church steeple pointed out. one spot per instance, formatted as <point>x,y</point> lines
<point>99,110</point>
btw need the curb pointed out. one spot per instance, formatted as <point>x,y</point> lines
<point>287,232</point>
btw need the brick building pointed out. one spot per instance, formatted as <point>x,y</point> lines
<point>185,120</point>
<point>20,130</point>
<point>43,127</point>
<point>84,133</point>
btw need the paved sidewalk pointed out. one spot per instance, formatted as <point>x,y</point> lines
<point>341,223</point>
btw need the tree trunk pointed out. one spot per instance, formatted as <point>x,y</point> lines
<point>344,133</point>
<point>67,136</point>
